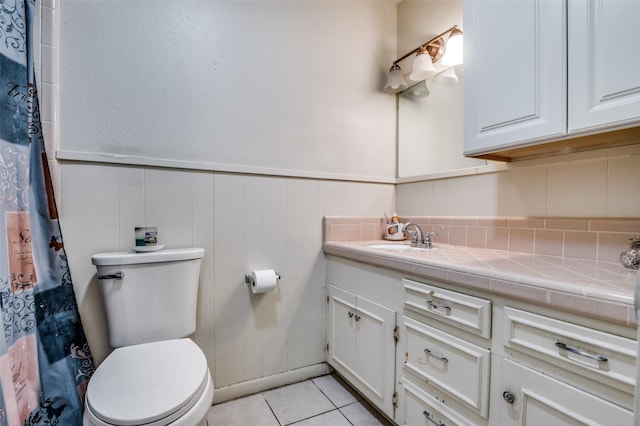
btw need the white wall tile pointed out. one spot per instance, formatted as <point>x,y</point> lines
<point>489,195</point>
<point>578,189</point>
<point>439,200</point>
<point>414,198</point>
<point>523,191</point>
<point>623,199</point>
<point>463,196</point>
<point>377,198</point>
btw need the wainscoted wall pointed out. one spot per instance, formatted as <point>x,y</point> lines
<point>234,128</point>
<point>244,222</point>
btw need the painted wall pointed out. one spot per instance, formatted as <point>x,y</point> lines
<point>233,126</point>
<point>271,84</point>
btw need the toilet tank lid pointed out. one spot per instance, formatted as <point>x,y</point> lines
<point>129,258</point>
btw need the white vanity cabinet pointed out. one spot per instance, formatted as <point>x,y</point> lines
<point>529,62</point>
<point>521,396</point>
<point>443,377</point>
<point>461,356</point>
<point>361,345</point>
<point>561,373</point>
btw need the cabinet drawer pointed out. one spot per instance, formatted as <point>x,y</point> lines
<point>452,365</point>
<point>600,356</point>
<point>460,310</point>
<point>521,396</point>
<point>417,407</point>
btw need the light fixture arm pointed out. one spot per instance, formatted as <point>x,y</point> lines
<point>427,44</point>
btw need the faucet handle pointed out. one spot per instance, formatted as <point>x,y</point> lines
<point>427,239</point>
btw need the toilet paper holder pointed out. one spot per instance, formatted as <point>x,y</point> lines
<point>249,279</point>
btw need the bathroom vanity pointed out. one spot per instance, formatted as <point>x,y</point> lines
<point>471,336</point>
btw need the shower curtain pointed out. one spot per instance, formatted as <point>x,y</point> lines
<point>45,363</point>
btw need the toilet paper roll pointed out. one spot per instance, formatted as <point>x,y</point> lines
<point>263,281</point>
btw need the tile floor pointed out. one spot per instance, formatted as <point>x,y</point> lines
<point>325,400</point>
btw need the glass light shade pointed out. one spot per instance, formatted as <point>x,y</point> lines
<point>453,51</point>
<point>446,78</point>
<point>422,67</point>
<point>418,91</point>
<point>395,79</point>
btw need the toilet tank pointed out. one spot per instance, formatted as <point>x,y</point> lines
<point>149,296</point>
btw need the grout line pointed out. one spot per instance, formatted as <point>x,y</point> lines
<point>271,409</point>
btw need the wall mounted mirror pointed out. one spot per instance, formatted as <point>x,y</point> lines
<point>430,128</point>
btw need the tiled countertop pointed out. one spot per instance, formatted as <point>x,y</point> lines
<point>602,290</point>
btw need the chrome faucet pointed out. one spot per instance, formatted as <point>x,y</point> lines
<point>418,238</point>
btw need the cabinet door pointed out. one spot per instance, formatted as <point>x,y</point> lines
<point>515,73</point>
<point>341,329</point>
<point>534,399</point>
<point>375,352</point>
<point>604,81</point>
<point>362,346</point>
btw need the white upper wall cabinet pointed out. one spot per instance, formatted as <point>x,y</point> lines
<point>514,60</point>
<point>529,62</point>
<point>604,81</point>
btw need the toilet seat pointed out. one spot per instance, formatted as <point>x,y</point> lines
<point>151,383</point>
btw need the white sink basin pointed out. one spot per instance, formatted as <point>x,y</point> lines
<point>391,247</point>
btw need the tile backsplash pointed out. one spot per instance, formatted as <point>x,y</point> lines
<point>598,239</point>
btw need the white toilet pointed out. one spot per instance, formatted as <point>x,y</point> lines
<point>156,375</point>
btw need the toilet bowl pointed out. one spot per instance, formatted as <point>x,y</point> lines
<point>151,384</point>
<point>156,375</point>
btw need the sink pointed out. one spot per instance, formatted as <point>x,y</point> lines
<point>390,247</point>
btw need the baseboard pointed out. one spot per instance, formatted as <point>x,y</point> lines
<point>250,387</point>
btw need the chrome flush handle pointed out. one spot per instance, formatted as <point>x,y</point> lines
<point>116,276</point>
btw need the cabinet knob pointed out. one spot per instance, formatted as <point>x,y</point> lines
<point>357,317</point>
<point>509,397</point>
<point>350,314</point>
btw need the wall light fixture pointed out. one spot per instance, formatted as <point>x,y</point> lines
<point>449,54</point>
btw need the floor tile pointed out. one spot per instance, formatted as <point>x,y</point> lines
<point>332,418</point>
<point>361,414</point>
<point>336,390</point>
<point>297,402</point>
<point>251,410</point>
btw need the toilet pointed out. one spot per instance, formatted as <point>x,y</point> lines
<point>156,375</point>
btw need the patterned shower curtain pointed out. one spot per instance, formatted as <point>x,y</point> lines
<point>45,363</point>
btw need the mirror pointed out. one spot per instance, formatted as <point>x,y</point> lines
<point>430,128</point>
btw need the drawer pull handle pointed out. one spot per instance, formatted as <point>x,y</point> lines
<point>428,416</point>
<point>600,358</point>
<point>435,306</point>
<point>441,358</point>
